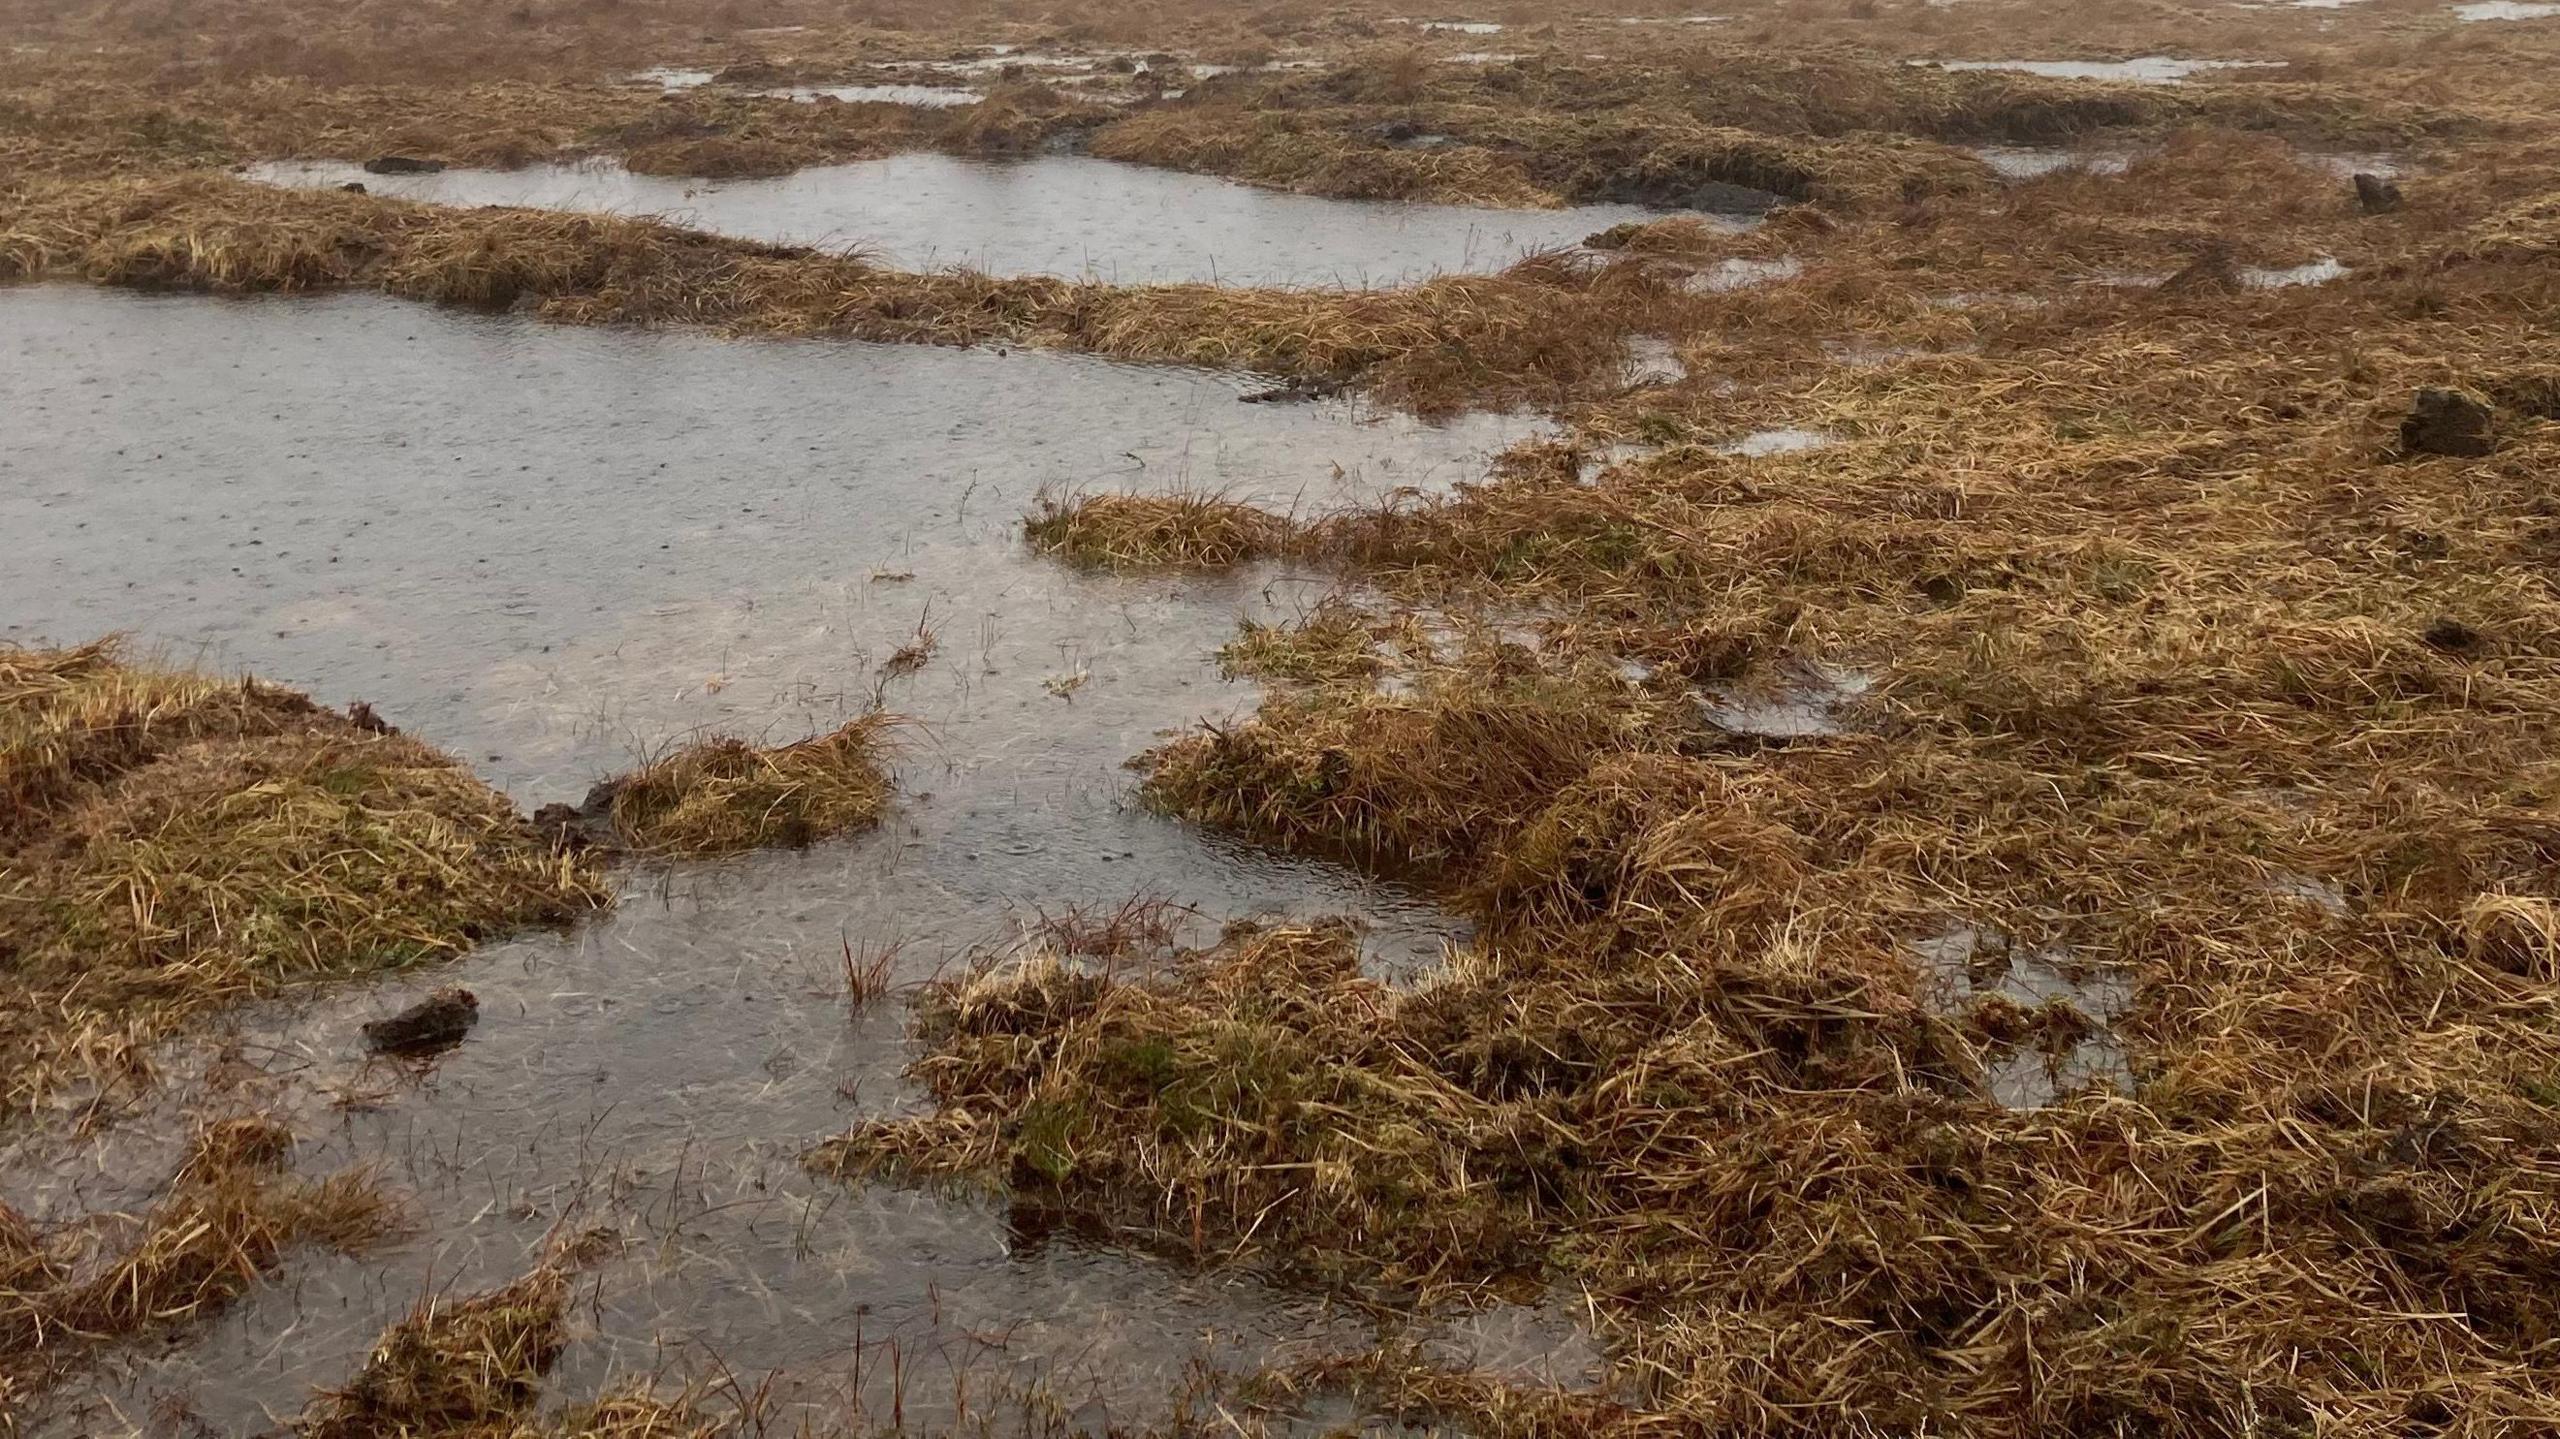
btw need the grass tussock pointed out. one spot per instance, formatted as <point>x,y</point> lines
<point>2112,705</point>
<point>1122,532</point>
<point>474,1366</point>
<point>227,1221</point>
<point>175,843</point>
<point>453,1366</point>
<point>724,796</point>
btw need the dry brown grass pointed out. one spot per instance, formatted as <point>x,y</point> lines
<point>175,843</point>
<point>1121,532</point>
<point>723,795</point>
<point>464,1366</point>
<point>2181,676</point>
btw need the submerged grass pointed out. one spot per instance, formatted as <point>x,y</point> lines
<point>228,1219</point>
<point>174,843</point>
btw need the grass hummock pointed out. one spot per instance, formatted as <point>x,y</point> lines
<point>174,843</point>
<point>1105,531</point>
<point>723,795</point>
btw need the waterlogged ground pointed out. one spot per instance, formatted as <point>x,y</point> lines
<point>1066,215</point>
<point>547,547</point>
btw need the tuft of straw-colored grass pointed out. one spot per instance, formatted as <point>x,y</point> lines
<point>1182,531</point>
<point>453,1366</point>
<point>724,795</point>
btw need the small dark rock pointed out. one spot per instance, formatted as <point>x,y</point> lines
<point>437,1022</point>
<point>1296,392</point>
<point>355,187</point>
<point>361,715</point>
<point>2452,636</point>
<point>2447,422</point>
<point>401,165</point>
<point>1616,237</point>
<point>585,825</point>
<point>2377,195</point>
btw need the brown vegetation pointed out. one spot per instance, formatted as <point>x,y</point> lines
<point>2175,679</point>
<point>723,795</point>
<point>1154,531</point>
<point>173,843</point>
<point>226,1222</point>
<point>1540,331</point>
<point>472,1368</point>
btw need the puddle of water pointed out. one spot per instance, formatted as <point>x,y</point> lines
<point>2507,10</point>
<point>540,546</point>
<point>2317,272</point>
<point>2030,162</point>
<point>1726,276</point>
<point>1785,440</point>
<point>1483,57</point>
<point>672,79</point>
<point>2319,893</point>
<point>1063,215</point>
<point>1463,27</point>
<point>1802,702</point>
<point>2140,70</point>
<point>1673,19</point>
<point>931,97</point>
<point>1962,964</point>
<point>1653,360</point>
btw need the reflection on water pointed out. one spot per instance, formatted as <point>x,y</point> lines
<point>1066,215</point>
<point>541,546</point>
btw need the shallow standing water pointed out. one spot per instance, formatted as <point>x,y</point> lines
<point>1066,215</point>
<point>545,547</point>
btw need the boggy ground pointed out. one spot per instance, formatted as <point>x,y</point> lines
<point>2137,648</point>
<point>2140,647</point>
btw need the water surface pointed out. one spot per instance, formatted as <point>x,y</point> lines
<point>551,547</point>
<point>1066,215</point>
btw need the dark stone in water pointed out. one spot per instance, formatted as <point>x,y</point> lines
<point>401,165</point>
<point>1296,392</point>
<point>437,1022</point>
<point>362,716</point>
<point>585,825</point>
<point>2447,422</point>
<point>355,187</point>
<point>2377,195</point>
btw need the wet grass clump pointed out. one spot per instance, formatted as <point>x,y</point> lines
<point>226,1222</point>
<point>471,1365</point>
<point>724,795</point>
<point>175,843</point>
<point>1121,532</point>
